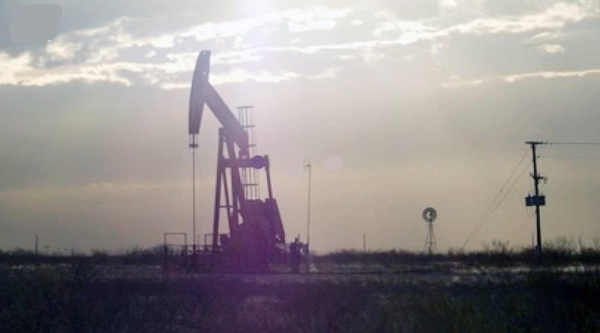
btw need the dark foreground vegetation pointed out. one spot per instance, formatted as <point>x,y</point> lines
<point>80,299</point>
<point>129,292</point>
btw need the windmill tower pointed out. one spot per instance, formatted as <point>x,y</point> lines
<point>430,215</point>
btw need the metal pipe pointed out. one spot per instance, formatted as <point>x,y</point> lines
<point>308,166</point>
<point>217,207</point>
<point>268,172</point>
<point>194,199</point>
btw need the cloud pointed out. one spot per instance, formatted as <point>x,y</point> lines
<point>549,75</point>
<point>409,9</point>
<point>20,71</point>
<point>556,16</point>
<point>11,67</point>
<point>414,28</point>
<point>97,54</point>
<point>553,17</point>
<point>436,48</point>
<point>448,4</point>
<point>116,53</point>
<point>551,48</point>
<point>546,35</point>
<point>320,18</point>
<point>456,82</point>
<point>240,76</point>
<point>62,49</point>
<point>311,25</point>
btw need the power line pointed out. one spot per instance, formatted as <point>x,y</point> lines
<point>491,212</point>
<point>506,193</point>
<point>569,157</point>
<point>481,220</point>
<point>573,143</point>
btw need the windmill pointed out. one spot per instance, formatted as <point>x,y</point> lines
<point>430,215</point>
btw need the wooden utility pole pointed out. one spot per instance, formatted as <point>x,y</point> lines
<point>537,200</point>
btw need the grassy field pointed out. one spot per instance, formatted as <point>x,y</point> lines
<point>495,290</point>
<point>557,252</point>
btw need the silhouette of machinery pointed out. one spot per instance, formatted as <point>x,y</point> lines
<point>256,235</point>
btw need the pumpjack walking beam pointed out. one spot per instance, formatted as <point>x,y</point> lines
<point>203,92</point>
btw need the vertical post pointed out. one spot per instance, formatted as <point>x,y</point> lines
<point>268,172</point>
<point>308,167</point>
<point>194,200</point>
<point>430,239</point>
<point>537,205</point>
<point>193,143</point>
<point>364,242</point>
<point>217,208</point>
<point>536,179</point>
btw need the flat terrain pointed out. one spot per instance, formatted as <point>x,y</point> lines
<point>443,297</point>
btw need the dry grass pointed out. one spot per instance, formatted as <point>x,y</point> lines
<point>80,299</point>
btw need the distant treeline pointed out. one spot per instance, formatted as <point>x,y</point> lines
<point>137,256</point>
<point>557,252</point>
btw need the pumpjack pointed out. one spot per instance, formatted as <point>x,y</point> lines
<point>256,237</point>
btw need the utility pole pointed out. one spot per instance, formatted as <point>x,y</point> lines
<point>537,200</point>
<point>364,242</point>
<point>308,167</point>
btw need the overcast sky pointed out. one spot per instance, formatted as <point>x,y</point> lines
<point>426,102</point>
